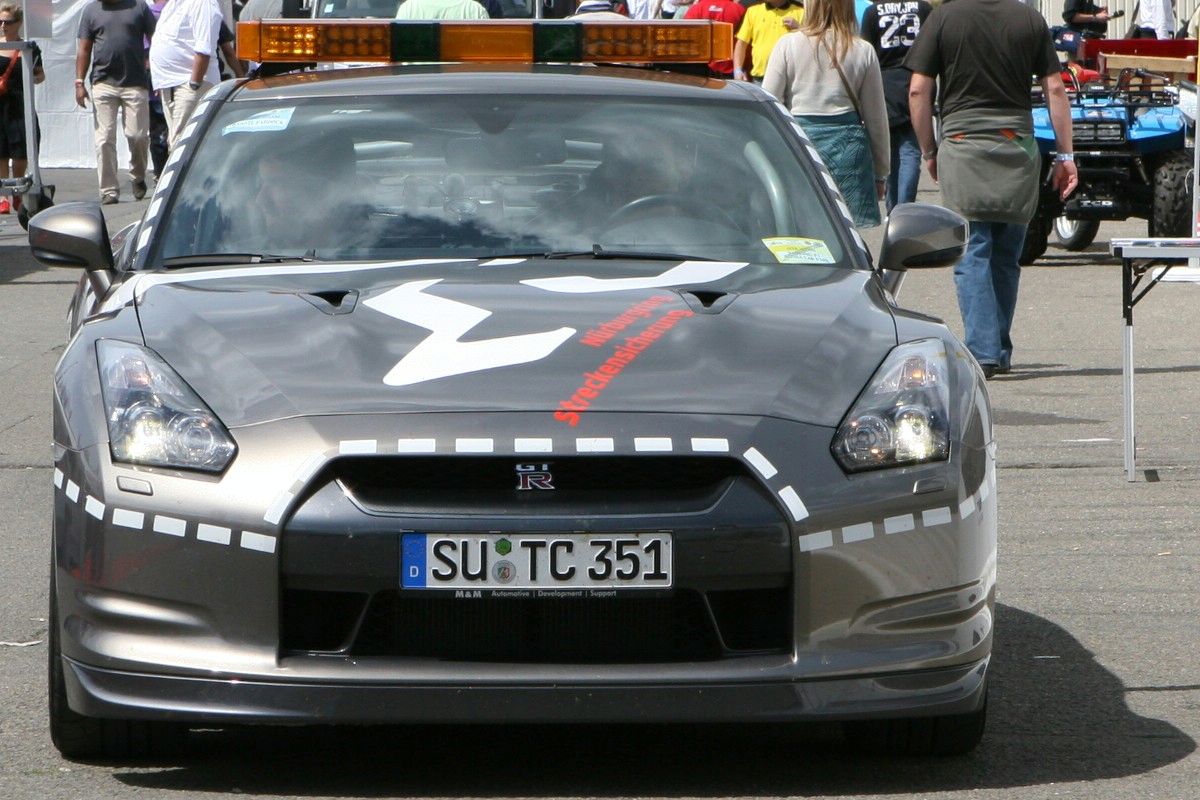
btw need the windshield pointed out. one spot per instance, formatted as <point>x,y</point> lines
<point>403,176</point>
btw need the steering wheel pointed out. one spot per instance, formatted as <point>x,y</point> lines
<point>690,204</point>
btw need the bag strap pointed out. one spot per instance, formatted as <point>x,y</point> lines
<point>845,83</point>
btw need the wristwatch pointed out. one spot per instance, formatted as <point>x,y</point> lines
<point>930,154</point>
<point>194,85</point>
<point>1064,156</point>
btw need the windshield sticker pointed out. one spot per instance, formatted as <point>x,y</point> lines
<point>329,8</point>
<point>276,119</point>
<point>797,250</point>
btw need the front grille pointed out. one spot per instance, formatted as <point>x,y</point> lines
<point>469,484</point>
<point>574,630</point>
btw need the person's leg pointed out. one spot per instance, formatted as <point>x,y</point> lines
<point>1006,277</point>
<point>106,101</point>
<point>895,135</point>
<point>183,102</point>
<point>906,163</point>
<point>136,109</point>
<point>977,296</point>
<point>158,135</point>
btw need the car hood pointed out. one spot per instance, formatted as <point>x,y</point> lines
<point>278,341</point>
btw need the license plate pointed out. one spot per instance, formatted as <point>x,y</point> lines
<point>501,562</point>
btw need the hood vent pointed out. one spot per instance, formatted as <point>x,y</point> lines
<point>707,301</point>
<point>333,301</point>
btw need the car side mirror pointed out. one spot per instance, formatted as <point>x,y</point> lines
<point>922,235</point>
<point>74,235</point>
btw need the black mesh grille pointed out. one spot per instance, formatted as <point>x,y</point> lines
<point>438,484</point>
<point>661,628</point>
<point>319,622</point>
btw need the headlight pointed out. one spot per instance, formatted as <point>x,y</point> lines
<point>153,416</point>
<point>902,417</point>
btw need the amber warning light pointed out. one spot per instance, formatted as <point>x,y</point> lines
<point>556,41</point>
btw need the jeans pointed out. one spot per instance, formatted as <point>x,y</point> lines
<point>987,278</point>
<point>906,166</point>
<point>132,102</point>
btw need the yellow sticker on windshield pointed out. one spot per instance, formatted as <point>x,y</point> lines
<point>797,250</point>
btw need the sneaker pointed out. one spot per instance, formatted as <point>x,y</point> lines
<point>989,370</point>
<point>5,206</point>
<point>108,200</point>
<point>139,190</point>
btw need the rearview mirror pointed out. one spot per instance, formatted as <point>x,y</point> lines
<point>922,235</point>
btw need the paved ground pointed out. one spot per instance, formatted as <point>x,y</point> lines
<point>1096,689</point>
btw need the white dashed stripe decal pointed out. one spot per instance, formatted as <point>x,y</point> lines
<point>700,445</point>
<point>358,447</point>
<point>259,542</point>
<point>793,503</point>
<point>169,525</point>
<point>416,446</point>
<point>815,541</point>
<point>599,445</point>
<point>858,533</point>
<point>533,445</point>
<point>72,491</point>
<point>213,533</point>
<point>966,508</point>
<point>474,445</point>
<point>277,509</point>
<point>94,507</point>
<point>935,516</point>
<point>900,524</point>
<point>650,444</point>
<point>760,463</point>
<point>58,478</point>
<point>128,519</point>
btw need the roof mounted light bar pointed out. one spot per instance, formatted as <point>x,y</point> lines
<point>514,41</point>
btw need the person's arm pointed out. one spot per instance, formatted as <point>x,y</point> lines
<point>83,60</point>
<point>1065,176</point>
<point>920,111</point>
<point>777,80</point>
<point>874,109</point>
<point>235,64</point>
<point>1074,17</point>
<point>739,60</point>
<point>39,73</point>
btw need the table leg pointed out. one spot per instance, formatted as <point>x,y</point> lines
<point>1127,373</point>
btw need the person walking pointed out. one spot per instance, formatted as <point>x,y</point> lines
<point>110,44</point>
<point>183,62</point>
<point>441,9</point>
<point>983,52</point>
<point>891,27</point>
<point>14,159</point>
<point>829,79</point>
<point>764,24</point>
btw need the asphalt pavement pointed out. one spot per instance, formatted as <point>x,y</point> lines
<point>1095,685</point>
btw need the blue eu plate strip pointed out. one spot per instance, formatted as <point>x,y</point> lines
<point>412,561</point>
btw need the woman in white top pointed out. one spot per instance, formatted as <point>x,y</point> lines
<point>829,79</point>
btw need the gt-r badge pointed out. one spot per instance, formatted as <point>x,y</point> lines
<point>534,476</point>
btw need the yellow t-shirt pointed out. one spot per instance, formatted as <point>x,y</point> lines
<point>761,28</point>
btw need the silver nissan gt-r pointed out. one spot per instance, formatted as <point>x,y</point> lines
<point>511,393</point>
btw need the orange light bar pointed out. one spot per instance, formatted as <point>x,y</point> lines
<point>526,41</point>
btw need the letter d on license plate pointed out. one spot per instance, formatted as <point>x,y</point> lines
<point>498,561</point>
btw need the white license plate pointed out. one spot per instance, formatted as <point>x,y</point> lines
<point>566,561</point>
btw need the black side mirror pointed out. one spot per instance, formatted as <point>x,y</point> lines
<point>71,235</point>
<point>921,235</point>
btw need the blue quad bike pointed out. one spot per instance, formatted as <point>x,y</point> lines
<point>1134,151</point>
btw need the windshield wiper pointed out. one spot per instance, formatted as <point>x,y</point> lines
<point>220,259</point>
<point>598,252</point>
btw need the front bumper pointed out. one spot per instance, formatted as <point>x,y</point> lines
<point>126,695</point>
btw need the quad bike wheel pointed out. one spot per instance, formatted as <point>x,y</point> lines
<point>1171,213</point>
<point>1075,234</point>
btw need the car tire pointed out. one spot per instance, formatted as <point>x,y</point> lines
<point>1075,234</point>
<point>952,735</point>
<point>79,738</point>
<point>1037,237</point>
<point>1171,212</point>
